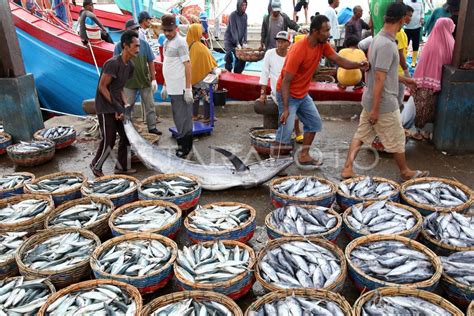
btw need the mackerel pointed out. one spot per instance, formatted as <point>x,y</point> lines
<point>170,187</point>
<point>368,188</point>
<point>437,194</point>
<point>13,180</point>
<point>303,188</point>
<point>9,243</point>
<point>217,218</point>
<point>57,132</point>
<point>401,305</point>
<point>299,305</point>
<point>109,186</point>
<point>23,210</point>
<point>145,218</point>
<point>452,228</point>
<point>56,184</point>
<point>80,215</point>
<point>191,306</point>
<point>21,297</point>
<point>460,266</point>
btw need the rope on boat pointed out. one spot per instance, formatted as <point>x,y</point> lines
<point>93,57</point>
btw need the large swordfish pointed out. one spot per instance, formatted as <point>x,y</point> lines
<point>212,177</point>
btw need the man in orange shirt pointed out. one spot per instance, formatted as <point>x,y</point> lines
<point>293,86</point>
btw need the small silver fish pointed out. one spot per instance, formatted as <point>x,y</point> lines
<point>9,243</point>
<point>145,218</point>
<point>299,305</point>
<point>302,188</point>
<point>21,297</point>
<point>109,186</point>
<point>193,306</point>
<point>368,188</point>
<point>169,187</point>
<point>218,217</point>
<point>80,215</point>
<point>56,184</point>
<point>460,266</point>
<point>13,180</point>
<point>33,146</point>
<point>436,193</point>
<point>57,132</point>
<point>23,210</point>
<point>401,305</point>
<point>452,228</point>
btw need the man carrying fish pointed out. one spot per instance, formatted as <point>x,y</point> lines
<point>381,114</point>
<point>110,103</point>
<point>293,86</point>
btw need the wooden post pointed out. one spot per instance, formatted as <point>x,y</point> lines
<point>464,47</point>
<point>11,62</point>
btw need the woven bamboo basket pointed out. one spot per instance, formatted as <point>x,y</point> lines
<point>8,268</point>
<point>130,290</point>
<point>7,141</point>
<point>33,158</point>
<point>304,293</point>
<point>128,196</point>
<point>205,296</point>
<point>346,201</point>
<point>30,225</point>
<point>4,193</point>
<point>72,193</point>
<point>412,233</point>
<point>185,202</point>
<point>234,288</point>
<point>46,282</point>
<point>279,200</point>
<point>242,233</point>
<point>145,284</point>
<point>60,142</point>
<point>330,235</point>
<point>426,209</point>
<point>169,230</point>
<point>324,78</point>
<point>365,282</point>
<point>403,291</point>
<point>264,146</point>
<point>60,278</point>
<point>470,309</point>
<point>249,54</point>
<point>338,284</point>
<point>100,227</point>
<point>459,293</point>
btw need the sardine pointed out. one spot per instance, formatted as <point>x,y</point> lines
<point>13,180</point>
<point>23,210</point>
<point>302,188</point>
<point>57,132</point>
<point>109,187</point>
<point>452,228</point>
<point>145,218</point>
<point>80,215</point>
<point>169,187</point>
<point>401,305</point>
<point>299,305</point>
<point>218,217</point>
<point>55,184</point>
<point>9,243</point>
<point>21,297</point>
<point>33,146</point>
<point>368,188</point>
<point>460,266</point>
<point>436,193</point>
<point>193,306</point>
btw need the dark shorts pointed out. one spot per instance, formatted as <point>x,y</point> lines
<point>300,5</point>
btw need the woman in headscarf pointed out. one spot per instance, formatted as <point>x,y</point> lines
<point>437,52</point>
<point>202,63</point>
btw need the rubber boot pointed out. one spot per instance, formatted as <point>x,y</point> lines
<point>413,60</point>
<point>188,146</point>
<point>181,147</point>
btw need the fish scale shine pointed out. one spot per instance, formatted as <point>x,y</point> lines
<point>193,306</point>
<point>368,188</point>
<point>22,297</point>
<point>80,215</point>
<point>23,210</point>
<point>218,217</point>
<point>303,188</point>
<point>299,305</point>
<point>401,305</point>
<point>169,187</point>
<point>10,181</point>
<point>436,193</point>
<point>56,184</point>
<point>145,218</point>
<point>453,228</point>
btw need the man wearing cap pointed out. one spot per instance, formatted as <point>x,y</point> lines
<point>143,80</point>
<point>177,74</point>
<point>273,23</point>
<point>381,113</point>
<point>144,19</point>
<point>236,37</point>
<point>87,17</point>
<point>331,14</point>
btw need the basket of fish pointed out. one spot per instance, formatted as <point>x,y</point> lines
<point>431,194</point>
<point>301,262</point>
<point>302,190</point>
<point>181,189</point>
<point>458,277</point>
<point>249,54</point>
<point>382,217</point>
<point>154,216</point>
<point>446,233</point>
<point>30,154</point>
<point>193,302</point>
<point>120,189</point>
<point>9,243</point>
<point>263,139</point>
<point>364,189</point>
<point>143,260</point>
<point>24,213</point>
<point>61,255</point>
<point>91,213</point>
<point>300,302</point>
<point>403,301</point>
<point>303,220</point>
<point>5,141</point>
<point>221,221</point>
<point>61,186</point>
<point>221,266</point>
<point>62,136</point>
<point>12,184</point>
<point>94,297</point>
<point>24,297</point>
<point>391,260</point>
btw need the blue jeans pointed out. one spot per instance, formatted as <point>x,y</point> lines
<point>307,113</point>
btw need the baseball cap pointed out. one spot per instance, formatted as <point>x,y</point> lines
<point>168,21</point>
<point>131,25</point>
<point>276,5</point>
<point>143,16</point>
<point>283,35</point>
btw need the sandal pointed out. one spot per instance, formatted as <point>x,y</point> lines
<point>310,165</point>
<point>418,174</point>
<point>299,139</point>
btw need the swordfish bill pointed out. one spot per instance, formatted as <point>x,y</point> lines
<point>213,177</point>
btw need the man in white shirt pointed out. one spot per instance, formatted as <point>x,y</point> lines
<point>144,19</point>
<point>413,29</point>
<point>331,14</point>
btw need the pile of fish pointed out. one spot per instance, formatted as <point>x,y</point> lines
<point>368,188</point>
<point>59,252</point>
<point>23,210</point>
<point>300,264</point>
<point>266,137</point>
<point>451,228</point>
<point>192,307</point>
<point>109,186</point>
<point>9,243</point>
<point>145,218</point>
<point>57,132</point>
<point>380,218</point>
<point>392,261</point>
<point>21,297</point>
<point>302,221</point>
<point>80,215</point>
<point>14,180</point>
<point>134,257</point>
<point>460,266</point>
<point>297,305</point>
<point>102,299</point>
<point>33,146</point>
<point>211,264</point>
<point>302,188</point>
<point>169,187</point>
<point>218,217</point>
<point>55,185</point>
<point>436,193</point>
<point>401,305</point>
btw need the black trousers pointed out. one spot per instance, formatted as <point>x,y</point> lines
<point>414,35</point>
<point>109,127</point>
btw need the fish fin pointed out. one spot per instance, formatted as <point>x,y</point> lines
<point>238,164</point>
